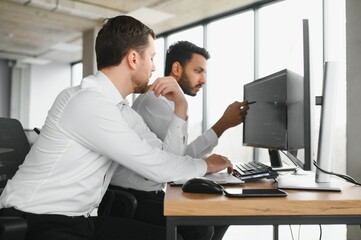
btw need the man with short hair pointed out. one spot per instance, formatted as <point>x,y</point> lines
<point>90,130</point>
<point>186,63</point>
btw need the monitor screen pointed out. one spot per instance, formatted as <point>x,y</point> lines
<point>266,121</point>
<point>275,116</point>
<point>279,116</point>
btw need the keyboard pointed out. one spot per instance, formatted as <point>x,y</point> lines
<point>253,170</point>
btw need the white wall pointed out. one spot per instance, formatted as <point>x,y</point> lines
<point>46,82</point>
<point>353,31</point>
<point>353,131</point>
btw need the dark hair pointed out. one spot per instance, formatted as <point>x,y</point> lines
<point>181,52</point>
<point>119,35</point>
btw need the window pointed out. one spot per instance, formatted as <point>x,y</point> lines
<point>231,66</point>
<point>76,73</point>
<point>159,59</point>
<point>280,43</point>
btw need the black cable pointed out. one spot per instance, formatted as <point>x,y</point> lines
<point>320,231</point>
<point>345,177</point>
<point>290,158</point>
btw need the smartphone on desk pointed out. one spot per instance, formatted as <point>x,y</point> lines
<point>240,193</point>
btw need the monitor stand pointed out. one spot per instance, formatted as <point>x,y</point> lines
<point>276,162</point>
<point>305,180</point>
<point>284,168</point>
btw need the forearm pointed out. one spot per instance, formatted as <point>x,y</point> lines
<point>219,128</point>
<point>202,145</point>
<point>181,109</point>
<point>232,116</point>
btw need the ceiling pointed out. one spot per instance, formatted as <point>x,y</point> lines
<point>42,31</point>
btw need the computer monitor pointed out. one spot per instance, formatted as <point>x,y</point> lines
<point>280,118</point>
<point>280,113</point>
<point>276,119</point>
<point>321,181</point>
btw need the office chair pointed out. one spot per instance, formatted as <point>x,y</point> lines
<point>14,146</point>
<point>117,203</point>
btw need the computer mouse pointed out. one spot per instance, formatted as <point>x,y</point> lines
<point>202,185</point>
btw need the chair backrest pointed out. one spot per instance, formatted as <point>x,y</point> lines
<point>14,146</point>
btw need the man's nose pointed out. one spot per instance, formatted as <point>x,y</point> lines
<point>203,79</point>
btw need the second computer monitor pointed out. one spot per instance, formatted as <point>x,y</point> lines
<point>276,118</point>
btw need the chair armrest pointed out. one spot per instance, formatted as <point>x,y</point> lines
<point>12,228</point>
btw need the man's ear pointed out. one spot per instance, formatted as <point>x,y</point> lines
<point>177,70</point>
<point>132,59</point>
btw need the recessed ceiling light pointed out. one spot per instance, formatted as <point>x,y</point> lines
<point>150,16</point>
<point>36,61</point>
<point>66,47</point>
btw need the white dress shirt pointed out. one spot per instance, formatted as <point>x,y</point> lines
<point>158,113</point>
<point>68,168</point>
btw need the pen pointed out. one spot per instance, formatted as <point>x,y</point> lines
<point>249,103</point>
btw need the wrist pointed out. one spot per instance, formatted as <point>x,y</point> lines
<point>218,128</point>
<point>209,167</point>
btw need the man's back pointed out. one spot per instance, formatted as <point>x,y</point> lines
<point>55,171</point>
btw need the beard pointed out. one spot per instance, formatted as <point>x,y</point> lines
<point>140,83</point>
<point>186,86</point>
<point>141,88</point>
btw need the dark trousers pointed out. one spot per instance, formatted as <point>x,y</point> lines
<point>150,210</point>
<point>60,227</point>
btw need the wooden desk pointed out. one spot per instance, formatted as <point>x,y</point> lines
<point>299,207</point>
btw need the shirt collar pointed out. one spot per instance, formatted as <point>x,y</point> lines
<point>109,89</point>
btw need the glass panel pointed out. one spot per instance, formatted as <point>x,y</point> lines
<point>231,45</point>
<point>159,60</point>
<point>76,73</point>
<point>194,35</point>
<point>280,37</point>
<point>280,40</point>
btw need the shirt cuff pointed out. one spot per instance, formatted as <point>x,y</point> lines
<point>211,137</point>
<point>202,166</point>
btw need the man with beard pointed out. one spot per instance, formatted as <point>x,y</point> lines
<point>186,63</point>
<point>90,130</point>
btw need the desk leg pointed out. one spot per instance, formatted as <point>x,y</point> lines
<point>171,230</point>
<point>275,232</point>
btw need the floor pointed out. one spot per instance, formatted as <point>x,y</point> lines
<point>306,232</point>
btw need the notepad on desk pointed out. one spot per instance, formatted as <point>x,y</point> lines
<point>222,178</point>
